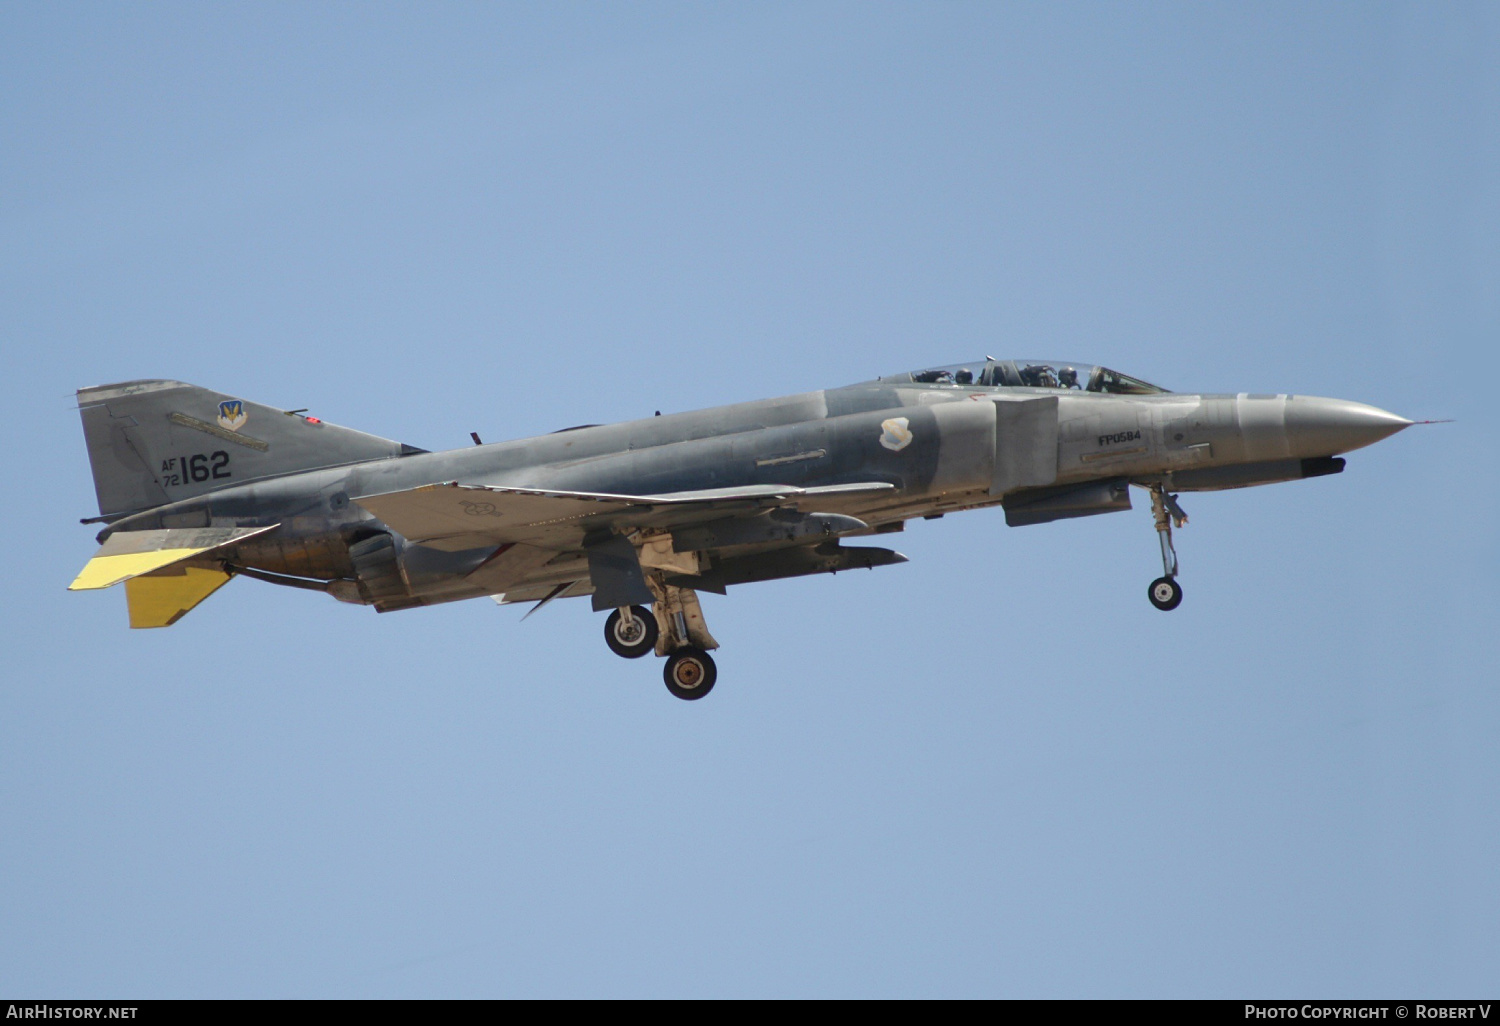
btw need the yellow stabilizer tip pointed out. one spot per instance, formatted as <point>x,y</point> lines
<point>103,571</point>
<point>160,600</point>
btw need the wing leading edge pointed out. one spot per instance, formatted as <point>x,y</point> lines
<point>454,517</point>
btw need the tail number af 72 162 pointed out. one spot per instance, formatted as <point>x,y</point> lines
<point>181,470</point>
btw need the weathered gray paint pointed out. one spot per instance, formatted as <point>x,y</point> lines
<point>133,430</point>
<point>1047,453</point>
<point>1026,450</point>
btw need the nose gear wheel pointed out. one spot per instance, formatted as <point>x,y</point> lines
<point>1165,593</point>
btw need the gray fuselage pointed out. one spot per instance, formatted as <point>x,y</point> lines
<point>942,446</point>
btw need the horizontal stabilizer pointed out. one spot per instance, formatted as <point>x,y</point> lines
<point>127,554</point>
<point>454,517</point>
<point>162,598</point>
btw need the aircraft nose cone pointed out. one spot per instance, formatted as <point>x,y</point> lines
<point>1325,427</point>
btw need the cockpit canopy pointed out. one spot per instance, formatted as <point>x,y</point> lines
<point>1059,374</point>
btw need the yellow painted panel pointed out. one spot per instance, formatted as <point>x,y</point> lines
<point>103,571</point>
<point>160,600</point>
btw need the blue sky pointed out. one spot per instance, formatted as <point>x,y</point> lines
<point>993,771</point>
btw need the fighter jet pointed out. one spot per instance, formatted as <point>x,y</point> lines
<point>197,487</point>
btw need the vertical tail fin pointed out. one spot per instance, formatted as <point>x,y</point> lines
<point>153,442</point>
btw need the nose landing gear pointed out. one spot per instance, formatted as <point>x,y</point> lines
<point>1165,593</point>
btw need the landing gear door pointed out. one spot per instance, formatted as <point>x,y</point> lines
<point>1025,444</point>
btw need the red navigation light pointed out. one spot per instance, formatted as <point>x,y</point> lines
<point>312,420</point>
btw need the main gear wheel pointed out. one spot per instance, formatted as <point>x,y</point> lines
<point>632,638</point>
<point>690,673</point>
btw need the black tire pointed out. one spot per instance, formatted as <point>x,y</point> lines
<point>690,673</point>
<point>1165,593</point>
<point>631,646</point>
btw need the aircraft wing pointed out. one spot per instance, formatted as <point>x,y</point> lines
<point>454,517</point>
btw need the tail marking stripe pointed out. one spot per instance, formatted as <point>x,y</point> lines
<point>218,432</point>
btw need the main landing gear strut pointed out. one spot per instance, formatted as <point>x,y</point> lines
<point>1165,592</point>
<point>674,628</point>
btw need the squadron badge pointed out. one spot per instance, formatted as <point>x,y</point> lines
<point>232,414</point>
<point>895,435</point>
